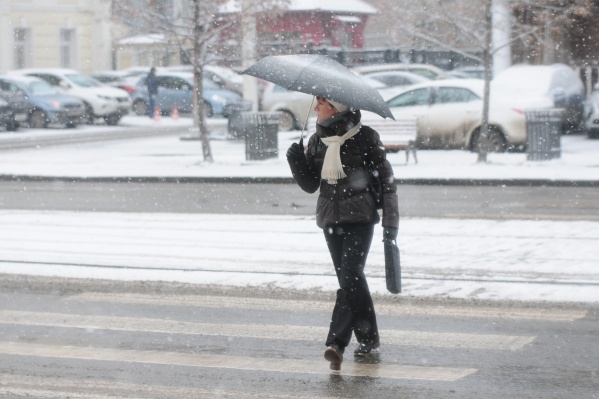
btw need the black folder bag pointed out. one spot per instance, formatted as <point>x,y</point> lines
<point>392,267</point>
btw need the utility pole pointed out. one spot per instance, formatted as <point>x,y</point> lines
<point>248,52</point>
<point>488,62</point>
<point>502,27</point>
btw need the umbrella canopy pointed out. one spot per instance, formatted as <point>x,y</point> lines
<point>320,76</point>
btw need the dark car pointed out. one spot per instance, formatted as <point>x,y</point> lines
<point>14,109</point>
<point>47,104</point>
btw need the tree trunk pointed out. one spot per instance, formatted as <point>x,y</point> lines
<point>198,63</point>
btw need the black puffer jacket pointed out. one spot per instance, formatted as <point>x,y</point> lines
<point>348,201</point>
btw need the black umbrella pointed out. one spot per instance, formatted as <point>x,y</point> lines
<point>320,76</point>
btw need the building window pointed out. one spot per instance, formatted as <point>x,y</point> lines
<point>67,47</point>
<point>21,47</point>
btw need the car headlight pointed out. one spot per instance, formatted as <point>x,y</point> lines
<point>55,104</point>
<point>218,99</point>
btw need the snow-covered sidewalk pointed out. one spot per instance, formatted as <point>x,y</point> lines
<point>169,156</point>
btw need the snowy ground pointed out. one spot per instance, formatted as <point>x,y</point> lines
<point>554,261</point>
<point>169,156</point>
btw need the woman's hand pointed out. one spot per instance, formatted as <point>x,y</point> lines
<point>390,233</point>
<point>295,153</point>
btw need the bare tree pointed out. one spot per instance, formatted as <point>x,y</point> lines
<point>566,31</point>
<point>461,26</point>
<point>196,24</point>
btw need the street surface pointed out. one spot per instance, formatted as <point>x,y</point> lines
<point>92,339</point>
<point>486,202</point>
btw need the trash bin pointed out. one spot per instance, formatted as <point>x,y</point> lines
<point>261,130</point>
<point>233,114</point>
<point>543,134</point>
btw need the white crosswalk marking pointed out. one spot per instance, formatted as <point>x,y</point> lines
<point>235,362</point>
<point>558,315</point>
<point>91,321</point>
<point>289,332</point>
<point>60,388</point>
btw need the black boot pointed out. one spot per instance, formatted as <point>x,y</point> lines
<point>334,354</point>
<point>365,349</point>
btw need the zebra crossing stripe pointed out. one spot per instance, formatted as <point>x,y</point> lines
<point>392,371</point>
<point>544,314</point>
<point>88,388</point>
<point>260,331</point>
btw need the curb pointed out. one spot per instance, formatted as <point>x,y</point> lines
<point>290,180</point>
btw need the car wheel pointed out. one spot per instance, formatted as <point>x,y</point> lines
<point>71,125</point>
<point>286,121</point>
<point>88,115</point>
<point>140,108</point>
<point>12,126</point>
<point>112,119</point>
<point>208,112</point>
<point>38,119</point>
<point>495,141</point>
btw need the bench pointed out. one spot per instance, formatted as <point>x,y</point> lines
<point>396,135</point>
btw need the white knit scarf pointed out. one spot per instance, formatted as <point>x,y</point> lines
<point>332,168</point>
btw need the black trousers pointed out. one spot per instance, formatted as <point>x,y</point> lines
<point>354,311</point>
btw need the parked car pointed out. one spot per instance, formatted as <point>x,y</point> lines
<point>176,88</point>
<point>428,71</point>
<point>124,80</point>
<point>454,74</point>
<point>540,86</point>
<point>449,115</point>
<point>14,109</point>
<point>592,120</point>
<point>48,105</point>
<point>397,78</point>
<point>294,106</point>
<point>100,101</point>
<point>473,72</point>
<point>225,78</point>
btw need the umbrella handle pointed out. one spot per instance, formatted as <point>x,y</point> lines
<point>306,122</point>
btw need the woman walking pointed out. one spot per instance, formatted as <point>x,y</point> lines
<point>346,211</point>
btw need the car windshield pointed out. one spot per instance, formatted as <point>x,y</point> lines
<point>83,81</point>
<point>411,98</point>
<point>228,74</point>
<point>41,88</point>
<point>210,85</point>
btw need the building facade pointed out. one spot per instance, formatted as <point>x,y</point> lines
<point>55,34</point>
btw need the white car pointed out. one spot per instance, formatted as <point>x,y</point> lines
<point>545,86</point>
<point>428,71</point>
<point>100,101</point>
<point>449,115</point>
<point>398,78</point>
<point>295,106</point>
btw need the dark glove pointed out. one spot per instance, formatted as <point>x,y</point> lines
<point>295,153</point>
<point>390,233</point>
